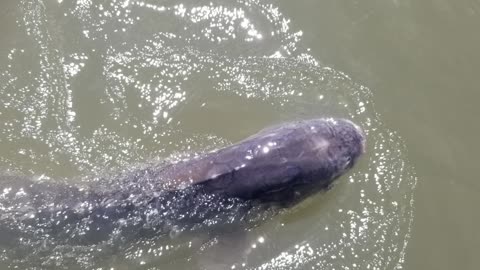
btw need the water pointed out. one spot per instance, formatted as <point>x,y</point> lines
<point>89,89</point>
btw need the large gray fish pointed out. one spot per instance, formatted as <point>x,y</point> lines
<point>274,161</point>
<point>272,165</point>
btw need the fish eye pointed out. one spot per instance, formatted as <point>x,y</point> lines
<point>348,162</point>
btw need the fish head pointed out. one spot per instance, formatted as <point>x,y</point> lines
<point>346,144</point>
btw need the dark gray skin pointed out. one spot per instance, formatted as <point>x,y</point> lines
<point>272,165</point>
<point>274,161</point>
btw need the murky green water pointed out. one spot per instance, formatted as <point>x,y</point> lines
<point>88,88</point>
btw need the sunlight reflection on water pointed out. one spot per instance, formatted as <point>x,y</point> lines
<point>99,86</point>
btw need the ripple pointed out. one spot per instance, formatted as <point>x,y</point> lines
<point>99,86</point>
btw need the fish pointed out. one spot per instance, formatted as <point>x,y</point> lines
<point>276,160</point>
<point>283,163</point>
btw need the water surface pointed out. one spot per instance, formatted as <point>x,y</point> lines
<point>89,88</point>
